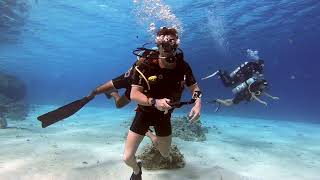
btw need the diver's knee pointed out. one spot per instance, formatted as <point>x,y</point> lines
<point>128,158</point>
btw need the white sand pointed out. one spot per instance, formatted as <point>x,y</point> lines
<point>90,145</point>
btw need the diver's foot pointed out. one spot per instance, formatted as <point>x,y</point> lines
<point>137,176</point>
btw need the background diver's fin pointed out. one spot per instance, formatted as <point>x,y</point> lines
<point>63,112</point>
<point>213,74</point>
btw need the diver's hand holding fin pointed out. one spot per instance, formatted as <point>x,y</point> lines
<point>63,112</point>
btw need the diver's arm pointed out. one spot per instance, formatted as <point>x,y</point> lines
<point>259,100</point>
<point>195,111</point>
<point>270,96</point>
<point>137,95</point>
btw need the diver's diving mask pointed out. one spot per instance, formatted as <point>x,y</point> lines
<point>168,45</point>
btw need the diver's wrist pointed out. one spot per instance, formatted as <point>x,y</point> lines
<point>153,102</point>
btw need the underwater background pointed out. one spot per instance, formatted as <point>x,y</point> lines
<point>62,49</point>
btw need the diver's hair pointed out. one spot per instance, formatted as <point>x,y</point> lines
<point>167,31</point>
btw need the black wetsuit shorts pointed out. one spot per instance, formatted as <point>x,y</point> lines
<point>123,81</point>
<point>160,121</point>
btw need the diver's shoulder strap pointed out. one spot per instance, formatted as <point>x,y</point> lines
<point>143,76</point>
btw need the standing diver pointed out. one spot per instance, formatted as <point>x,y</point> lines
<point>240,74</point>
<point>155,85</point>
<point>251,89</point>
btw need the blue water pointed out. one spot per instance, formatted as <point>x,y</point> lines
<point>62,49</point>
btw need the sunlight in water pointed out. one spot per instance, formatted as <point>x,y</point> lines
<point>155,13</point>
<point>217,26</point>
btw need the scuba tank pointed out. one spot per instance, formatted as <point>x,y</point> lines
<point>233,73</point>
<point>243,85</point>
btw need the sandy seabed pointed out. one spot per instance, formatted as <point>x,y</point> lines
<point>90,144</point>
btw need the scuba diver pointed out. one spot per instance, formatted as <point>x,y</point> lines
<point>110,88</point>
<point>251,89</point>
<point>157,83</point>
<point>240,74</point>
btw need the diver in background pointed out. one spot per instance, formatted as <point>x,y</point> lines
<point>251,89</point>
<point>240,74</point>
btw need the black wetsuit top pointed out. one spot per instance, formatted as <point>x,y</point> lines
<point>125,79</point>
<point>166,83</point>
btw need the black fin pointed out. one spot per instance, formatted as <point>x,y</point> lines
<point>63,112</point>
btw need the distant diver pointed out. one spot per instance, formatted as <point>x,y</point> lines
<point>251,89</point>
<point>240,74</point>
<point>247,82</point>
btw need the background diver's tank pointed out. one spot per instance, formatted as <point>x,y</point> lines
<point>233,73</point>
<point>243,85</point>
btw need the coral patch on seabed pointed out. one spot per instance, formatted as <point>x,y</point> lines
<point>153,160</point>
<point>13,91</point>
<point>183,129</point>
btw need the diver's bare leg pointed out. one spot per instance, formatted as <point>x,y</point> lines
<point>120,101</point>
<point>153,138</point>
<point>109,89</point>
<point>164,145</point>
<point>226,102</point>
<point>132,144</point>
<point>106,87</point>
